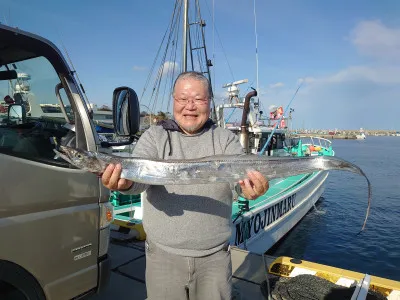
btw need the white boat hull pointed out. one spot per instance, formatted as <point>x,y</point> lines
<point>269,223</point>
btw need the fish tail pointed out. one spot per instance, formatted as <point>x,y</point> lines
<point>369,204</point>
<point>361,172</point>
<point>342,164</point>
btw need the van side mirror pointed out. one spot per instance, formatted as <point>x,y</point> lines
<point>126,116</point>
<point>126,112</point>
<point>16,113</point>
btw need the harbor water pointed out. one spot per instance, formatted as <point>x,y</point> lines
<point>329,235</point>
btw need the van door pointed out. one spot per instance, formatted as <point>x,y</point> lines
<point>49,211</point>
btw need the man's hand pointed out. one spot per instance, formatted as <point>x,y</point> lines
<point>112,180</point>
<point>254,186</point>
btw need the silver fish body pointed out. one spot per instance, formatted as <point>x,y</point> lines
<point>223,168</point>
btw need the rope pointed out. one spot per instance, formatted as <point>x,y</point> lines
<point>219,39</point>
<point>243,205</point>
<point>246,233</point>
<point>159,49</point>
<point>230,115</point>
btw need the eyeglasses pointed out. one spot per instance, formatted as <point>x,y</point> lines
<point>195,101</point>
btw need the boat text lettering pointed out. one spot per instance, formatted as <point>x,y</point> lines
<point>248,227</point>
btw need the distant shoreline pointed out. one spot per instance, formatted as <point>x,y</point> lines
<point>337,137</point>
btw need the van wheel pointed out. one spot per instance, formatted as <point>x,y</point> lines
<point>18,284</point>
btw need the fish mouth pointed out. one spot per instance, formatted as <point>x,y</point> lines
<point>65,152</point>
<point>63,149</point>
<point>62,155</point>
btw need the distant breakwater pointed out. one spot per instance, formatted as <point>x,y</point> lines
<point>331,137</point>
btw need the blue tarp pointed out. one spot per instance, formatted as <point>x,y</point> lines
<point>101,129</point>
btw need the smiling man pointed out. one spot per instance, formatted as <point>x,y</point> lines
<point>188,227</point>
<point>191,102</point>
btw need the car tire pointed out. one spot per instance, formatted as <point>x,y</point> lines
<point>21,280</point>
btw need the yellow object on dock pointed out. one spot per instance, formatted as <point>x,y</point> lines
<point>138,227</point>
<point>288,267</point>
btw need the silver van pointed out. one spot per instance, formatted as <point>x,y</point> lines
<point>54,219</point>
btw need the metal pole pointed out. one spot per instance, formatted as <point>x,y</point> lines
<point>184,38</point>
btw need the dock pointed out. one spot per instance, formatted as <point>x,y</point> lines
<point>129,263</point>
<point>249,271</point>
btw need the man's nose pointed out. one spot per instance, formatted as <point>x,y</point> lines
<point>190,104</point>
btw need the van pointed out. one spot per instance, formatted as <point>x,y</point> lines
<point>54,218</point>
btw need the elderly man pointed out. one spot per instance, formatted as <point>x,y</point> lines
<point>188,227</point>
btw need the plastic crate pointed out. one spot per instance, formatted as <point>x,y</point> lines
<point>118,199</point>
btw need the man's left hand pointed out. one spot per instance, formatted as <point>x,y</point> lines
<point>254,186</point>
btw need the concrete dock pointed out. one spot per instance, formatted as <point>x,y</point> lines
<point>249,272</point>
<point>129,263</point>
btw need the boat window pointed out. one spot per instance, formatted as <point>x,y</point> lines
<point>291,142</point>
<point>36,122</point>
<point>275,143</point>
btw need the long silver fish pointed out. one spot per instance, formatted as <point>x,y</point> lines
<point>222,168</point>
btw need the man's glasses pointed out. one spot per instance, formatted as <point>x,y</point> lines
<point>196,101</point>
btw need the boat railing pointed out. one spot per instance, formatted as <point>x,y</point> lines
<point>316,140</point>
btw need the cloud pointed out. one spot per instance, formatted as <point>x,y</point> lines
<point>170,67</point>
<point>359,95</point>
<point>374,39</point>
<point>381,44</point>
<point>139,68</point>
<point>306,80</point>
<point>262,91</point>
<point>276,85</point>
<point>378,74</point>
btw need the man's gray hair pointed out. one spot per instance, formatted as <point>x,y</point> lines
<point>196,76</point>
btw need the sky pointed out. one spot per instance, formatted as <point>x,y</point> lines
<point>345,55</point>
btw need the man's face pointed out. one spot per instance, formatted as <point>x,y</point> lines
<point>191,105</point>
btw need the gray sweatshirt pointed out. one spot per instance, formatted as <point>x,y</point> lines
<point>190,220</point>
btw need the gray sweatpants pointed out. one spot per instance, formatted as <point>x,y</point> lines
<point>170,276</point>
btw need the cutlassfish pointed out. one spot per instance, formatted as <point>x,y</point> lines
<point>212,169</point>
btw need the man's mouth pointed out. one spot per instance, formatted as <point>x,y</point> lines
<point>190,116</point>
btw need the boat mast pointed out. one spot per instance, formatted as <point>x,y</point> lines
<point>185,37</point>
<point>185,34</point>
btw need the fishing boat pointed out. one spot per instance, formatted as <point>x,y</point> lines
<point>260,223</point>
<point>257,224</point>
<point>361,136</point>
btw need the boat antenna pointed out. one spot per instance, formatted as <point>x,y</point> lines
<point>213,38</point>
<point>255,33</point>
<point>276,125</point>
<point>73,71</point>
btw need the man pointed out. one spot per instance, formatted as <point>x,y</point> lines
<point>188,227</point>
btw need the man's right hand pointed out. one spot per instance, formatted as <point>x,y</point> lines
<point>112,180</point>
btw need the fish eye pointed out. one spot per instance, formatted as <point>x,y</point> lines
<point>79,156</point>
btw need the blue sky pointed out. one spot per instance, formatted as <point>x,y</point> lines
<point>347,53</point>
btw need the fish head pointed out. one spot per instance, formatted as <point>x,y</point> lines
<point>81,159</point>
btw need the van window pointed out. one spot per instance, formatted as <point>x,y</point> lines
<point>31,119</point>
